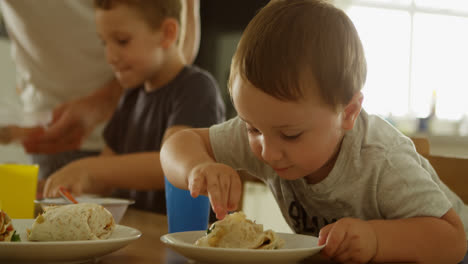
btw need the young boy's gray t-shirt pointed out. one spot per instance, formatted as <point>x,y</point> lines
<point>192,99</point>
<point>378,175</point>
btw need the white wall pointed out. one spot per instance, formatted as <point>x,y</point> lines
<point>12,153</point>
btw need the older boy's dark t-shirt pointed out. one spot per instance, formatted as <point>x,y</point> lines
<point>192,99</point>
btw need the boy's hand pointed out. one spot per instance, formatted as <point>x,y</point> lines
<point>349,240</point>
<point>75,178</point>
<point>70,178</point>
<point>220,182</point>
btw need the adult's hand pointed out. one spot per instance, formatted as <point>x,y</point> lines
<point>12,133</point>
<point>73,121</point>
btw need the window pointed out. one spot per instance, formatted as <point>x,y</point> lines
<point>417,55</point>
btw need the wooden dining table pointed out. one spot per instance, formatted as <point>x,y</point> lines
<point>149,249</point>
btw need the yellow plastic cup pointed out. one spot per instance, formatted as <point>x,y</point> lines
<point>18,184</point>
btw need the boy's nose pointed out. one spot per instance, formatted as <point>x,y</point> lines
<point>111,56</point>
<point>270,152</point>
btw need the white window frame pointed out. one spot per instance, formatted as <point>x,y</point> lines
<point>456,144</point>
<point>412,8</point>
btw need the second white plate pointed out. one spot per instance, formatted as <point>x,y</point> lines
<point>296,248</point>
<point>62,251</point>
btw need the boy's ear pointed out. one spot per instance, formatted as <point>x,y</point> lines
<point>170,30</point>
<point>351,111</point>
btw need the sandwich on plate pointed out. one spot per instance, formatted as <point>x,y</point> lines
<point>236,231</point>
<point>7,231</point>
<point>82,221</point>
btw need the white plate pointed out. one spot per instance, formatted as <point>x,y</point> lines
<point>62,251</point>
<point>296,247</point>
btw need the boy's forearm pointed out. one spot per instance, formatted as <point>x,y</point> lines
<point>141,171</point>
<point>181,153</point>
<point>420,240</point>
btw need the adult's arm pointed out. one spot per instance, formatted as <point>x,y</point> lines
<point>74,120</point>
<point>190,30</point>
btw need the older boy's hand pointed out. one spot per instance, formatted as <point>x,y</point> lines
<point>220,182</point>
<point>349,240</point>
<point>70,177</point>
<point>78,178</point>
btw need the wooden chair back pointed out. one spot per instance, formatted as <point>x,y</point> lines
<point>453,171</point>
<point>422,145</point>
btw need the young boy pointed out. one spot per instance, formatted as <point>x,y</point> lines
<point>335,171</point>
<point>163,95</point>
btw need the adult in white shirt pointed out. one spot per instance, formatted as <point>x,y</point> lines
<point>61,67</point>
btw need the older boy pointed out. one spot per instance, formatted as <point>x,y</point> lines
<point>163,95</point>
<point>335,171</point>
<point>82,94</point>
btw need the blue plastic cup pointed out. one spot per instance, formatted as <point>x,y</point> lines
<point>185,213</point>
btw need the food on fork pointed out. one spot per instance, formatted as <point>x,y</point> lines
<point>83,221</point>
<point>7,231</point>
<point>236,231</point>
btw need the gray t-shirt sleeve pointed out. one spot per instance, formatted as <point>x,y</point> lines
<point>406,189</point>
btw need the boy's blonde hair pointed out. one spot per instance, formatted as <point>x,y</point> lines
<point>292,43</point>
<point>153,11</point>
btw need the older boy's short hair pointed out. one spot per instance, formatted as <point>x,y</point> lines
<point>152,11</point>
<point>292,43</point>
